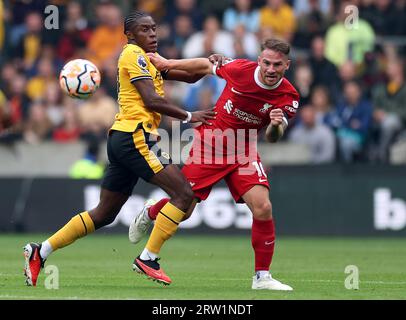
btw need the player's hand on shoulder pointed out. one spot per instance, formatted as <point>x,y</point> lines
<point>203,116</point>
<point>276,116</point>
<point>158,61</point>
<point>219,59</point>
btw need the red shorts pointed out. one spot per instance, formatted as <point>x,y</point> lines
<point>240,178</point>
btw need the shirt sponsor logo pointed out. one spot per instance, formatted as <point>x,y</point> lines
<point>290,109</point>
<point>247,117</point>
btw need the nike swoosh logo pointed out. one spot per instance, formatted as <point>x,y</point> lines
<point>263,180</point>
<point>267,243</point>
<point>235,91</point>
<point>192,183</point>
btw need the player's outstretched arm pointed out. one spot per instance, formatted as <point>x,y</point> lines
<point>156,103</point>
<point>201,66</point>
<point>184,76</point>
<point>277,127</point>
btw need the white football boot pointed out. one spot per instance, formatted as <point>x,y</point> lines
<point>266,282</point>
<point>141,223</point>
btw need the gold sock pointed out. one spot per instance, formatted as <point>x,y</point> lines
<point>166,224</point>
<point>79,226</point>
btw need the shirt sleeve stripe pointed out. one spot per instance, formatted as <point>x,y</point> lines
<point>139,78</point>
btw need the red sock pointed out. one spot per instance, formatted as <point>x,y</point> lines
<point>154,210</point>
<point>263,242</point>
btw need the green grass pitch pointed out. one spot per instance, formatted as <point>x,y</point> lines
<point>211,267</point>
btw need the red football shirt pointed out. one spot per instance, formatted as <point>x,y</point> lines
<point>243,108</point>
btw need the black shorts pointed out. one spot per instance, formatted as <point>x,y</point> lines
<point>132,155</point>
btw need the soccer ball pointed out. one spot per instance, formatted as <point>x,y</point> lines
<point>79,78</point>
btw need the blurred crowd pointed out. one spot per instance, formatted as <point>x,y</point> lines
<point>347,64</point>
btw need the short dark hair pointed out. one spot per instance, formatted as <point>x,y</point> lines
<point>276,45</point>
<point>132,19</point>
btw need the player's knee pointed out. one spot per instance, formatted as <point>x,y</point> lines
<point>263,211</point>
<point>102,217</point>
<point>183,198</point>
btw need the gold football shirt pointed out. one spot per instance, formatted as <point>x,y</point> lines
<point>133,65</point>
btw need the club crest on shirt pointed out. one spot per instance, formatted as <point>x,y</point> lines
<point>265,108</point>
<point>142,62</point>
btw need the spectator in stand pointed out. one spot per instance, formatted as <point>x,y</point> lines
<point>352,121</point>
<point>108,39</point>
<point>385,17</point>
<point>53,103</point>
<point>20,10</point>
<point>29,46</point>
<point>76,31</point>
<point>164,35</point>
<point>347,42</point>
<point>320,99</point>
<point>310,23</point>
<point>246,45</point>
<point>278,16</point>
<point>156,8</point>
<point>46,74</point>
<point>373,72</point>
<point>109,79</point>
<point>188,8</point>
<point>303,80</point>
<point>303,7</point>
<point>49,51</point>
<point>367,10</point>
<point>18,104</point>
<point>318,137</point>
<point>96,115</point>
<point>241,14</point>
<point>346,72</point>
<point>389,108</point>
<point>183,29</point>
<point>8,74</point>
<point>324,72</point>
<point>210,40</point>
<point>69,130</point>
<point>38,126</point>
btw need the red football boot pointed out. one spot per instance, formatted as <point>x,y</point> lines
<point>33,263</point>
<point>152,270</point>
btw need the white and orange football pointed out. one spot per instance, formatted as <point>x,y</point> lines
<point>80,78</point>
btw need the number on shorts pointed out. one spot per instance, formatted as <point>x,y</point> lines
<point>260,168</point>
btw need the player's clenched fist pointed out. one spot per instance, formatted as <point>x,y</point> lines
<point>276,116</point>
